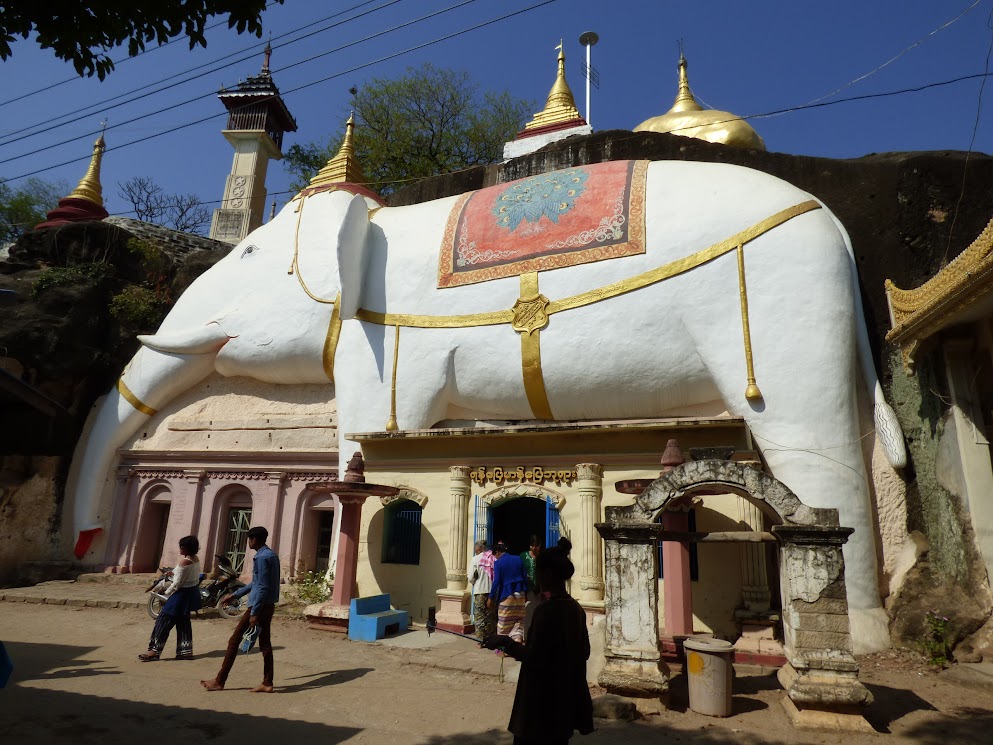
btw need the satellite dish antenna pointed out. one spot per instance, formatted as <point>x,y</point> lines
<point>588,39</point>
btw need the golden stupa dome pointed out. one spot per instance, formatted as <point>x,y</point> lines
<point>689,119</point>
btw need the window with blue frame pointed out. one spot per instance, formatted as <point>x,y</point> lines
<point>402,533</point>
<point>694,562</point>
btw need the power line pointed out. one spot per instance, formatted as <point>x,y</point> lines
<point>86,111</point>
<point>209,94</point>
<point>286,93</point>
<point>48,88</point>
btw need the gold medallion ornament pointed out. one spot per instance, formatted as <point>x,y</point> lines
<point>530,314</point>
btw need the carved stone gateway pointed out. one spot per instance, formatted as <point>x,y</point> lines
<point>820,675</point>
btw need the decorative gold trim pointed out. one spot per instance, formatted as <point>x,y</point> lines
<point>331,340</point>
<point>752,392</point>
<point>134,400</point>
<point>637,282</point>
<point>391,425</point>
<point>917,314</point>
<point>534,380</point>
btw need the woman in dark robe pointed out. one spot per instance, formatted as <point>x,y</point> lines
<point>553,698</point>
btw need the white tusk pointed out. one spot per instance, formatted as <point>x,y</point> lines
<point>207,338</point>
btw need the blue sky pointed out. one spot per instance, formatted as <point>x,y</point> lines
<point>747,58</point>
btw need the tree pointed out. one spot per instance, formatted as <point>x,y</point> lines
<point>184,212</point>
<point>24,206</point>
<point>428,122</point>
<point>82,32</point>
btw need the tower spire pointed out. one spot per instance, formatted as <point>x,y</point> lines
<point>560,106</point>
<point>343,167</point>
<point>89,187</point>
<point>268,55</point>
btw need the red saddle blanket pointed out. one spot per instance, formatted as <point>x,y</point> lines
<point>573,216</point>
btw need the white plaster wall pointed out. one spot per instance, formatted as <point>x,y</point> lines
<point>243,414</point>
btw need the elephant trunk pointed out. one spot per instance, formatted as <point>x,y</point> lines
<point>150,381</point>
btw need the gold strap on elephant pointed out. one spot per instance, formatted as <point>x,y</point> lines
<point>132,399</point>
<point>532,310</point>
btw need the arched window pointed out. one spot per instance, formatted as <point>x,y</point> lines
<point>402,533</point>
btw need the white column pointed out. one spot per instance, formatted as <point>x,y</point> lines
<point>973,447</point>
<point>458,527</point>
<point>754,571</point>
<point>590,544</point>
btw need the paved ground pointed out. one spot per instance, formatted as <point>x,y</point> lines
<point>77,680</point>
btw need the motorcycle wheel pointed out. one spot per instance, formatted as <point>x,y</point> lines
<point>233,609</point>
<point>154,606</point>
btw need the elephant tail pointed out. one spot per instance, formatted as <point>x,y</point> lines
<point>887,425</point>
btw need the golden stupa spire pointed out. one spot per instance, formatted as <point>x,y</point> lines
<point>343,167</point>
<point>89,187</point>
<point>685,101</point>
<point>560,106</point>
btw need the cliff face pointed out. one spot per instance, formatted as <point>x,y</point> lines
<point>74,298</point>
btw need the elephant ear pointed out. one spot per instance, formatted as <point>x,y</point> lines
<point>353,256</point>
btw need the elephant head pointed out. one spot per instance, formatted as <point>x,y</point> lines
<point>263,311</point>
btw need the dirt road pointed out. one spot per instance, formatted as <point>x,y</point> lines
<point>77,680</point>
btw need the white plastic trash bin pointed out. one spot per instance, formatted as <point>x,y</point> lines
<point>708,674</point>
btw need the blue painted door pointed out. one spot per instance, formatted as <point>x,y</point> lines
<point>552,531</point>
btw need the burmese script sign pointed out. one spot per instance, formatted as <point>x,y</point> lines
<point>567,217</point>
<point>521,474</point>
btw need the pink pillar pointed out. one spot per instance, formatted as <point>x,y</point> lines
<point>184,513</point>
<point>347,562</point>
<point>119,529</point>
<point>676,588</point>
<point>267,506</point>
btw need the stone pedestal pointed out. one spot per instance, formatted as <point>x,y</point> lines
<point>453,611</point>
<point>632,662</point>
<point>821,674</point>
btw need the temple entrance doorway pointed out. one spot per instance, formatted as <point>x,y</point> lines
<point>150,541</point>
<point>516,520</point>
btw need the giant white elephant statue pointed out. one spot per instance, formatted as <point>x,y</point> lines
<point>649,349</point>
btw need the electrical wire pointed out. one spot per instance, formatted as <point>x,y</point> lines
<point>972,142</point>
<point>87,111</point>
<point>279,70</point>
<point>176,128</point>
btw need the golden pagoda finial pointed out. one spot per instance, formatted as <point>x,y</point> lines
<point>343,167</point>
<point>561,105</point>
<point>685,101</point>
<point>89,187</point>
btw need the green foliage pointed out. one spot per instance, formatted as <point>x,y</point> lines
<point>25,205</point>
<point>82,32</point>
<point>312,588</point>
<point>934,643</point>
<point>68,276</point>
<point>137,306</point>
<point>430,121</point>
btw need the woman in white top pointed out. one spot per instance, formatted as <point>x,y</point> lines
<point>481,581</point>
<point>184,598</point>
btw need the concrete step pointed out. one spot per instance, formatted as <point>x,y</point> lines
<point>118,579</point>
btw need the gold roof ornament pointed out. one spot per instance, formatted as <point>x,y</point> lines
<point>944,299</point>
<point>560,106</point>
<point>688,118</point>
<point>89,187</point>
<point>343,167</point>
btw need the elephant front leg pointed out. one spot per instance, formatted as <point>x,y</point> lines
<point>150,381</point>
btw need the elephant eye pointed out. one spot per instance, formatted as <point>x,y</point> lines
<point>249,250</point>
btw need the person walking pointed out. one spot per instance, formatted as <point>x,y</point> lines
<point>183,598</point>
<point>264,589</point>
<point>481,581</point>
<point>508,593</point>
<point>553,697</point>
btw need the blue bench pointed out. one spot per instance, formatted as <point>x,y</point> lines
<point>372,618</point>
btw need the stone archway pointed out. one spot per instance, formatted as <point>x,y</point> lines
<point>821,674</point>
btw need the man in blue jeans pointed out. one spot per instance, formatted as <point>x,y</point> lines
<point>264,589</point>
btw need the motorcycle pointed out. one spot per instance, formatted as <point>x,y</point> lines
<point>223,581</point>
